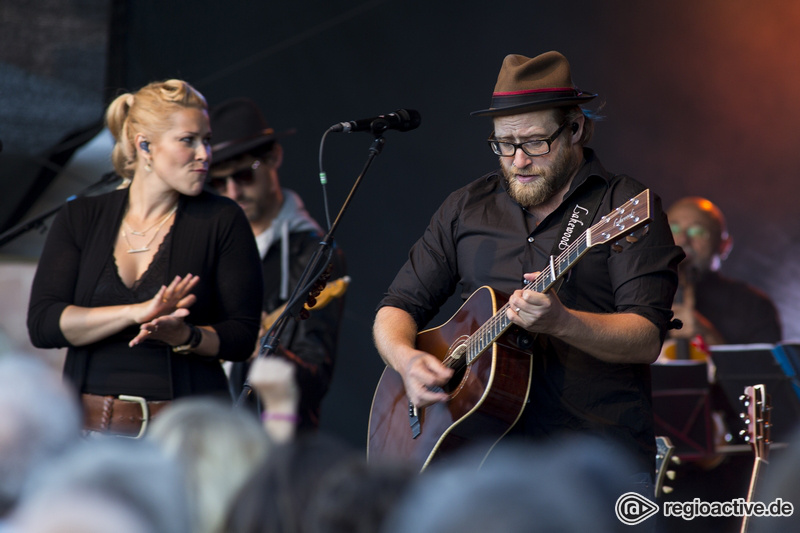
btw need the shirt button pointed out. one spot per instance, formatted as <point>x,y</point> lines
<point>530,239</point>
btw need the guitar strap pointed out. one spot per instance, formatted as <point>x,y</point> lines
<point>577,220</point>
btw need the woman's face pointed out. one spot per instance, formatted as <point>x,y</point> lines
<point>182,154</point>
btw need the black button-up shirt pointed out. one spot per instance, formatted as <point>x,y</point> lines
<point>481,236</point>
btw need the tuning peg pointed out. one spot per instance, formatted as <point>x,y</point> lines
<point>745,400</point>
<point>666,489</point>
<point>616,248</point>
<point>632,238</point>
<point>671,474</point>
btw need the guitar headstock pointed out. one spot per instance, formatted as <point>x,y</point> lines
<point>623,220</point>
<point>756,418</point>
<point>665,456</point>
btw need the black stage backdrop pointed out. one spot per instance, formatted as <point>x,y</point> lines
<point>700,98</point>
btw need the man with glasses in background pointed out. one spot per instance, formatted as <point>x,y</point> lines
<point>719,309</point>
<point>246,156</point>
<point>594,338</point>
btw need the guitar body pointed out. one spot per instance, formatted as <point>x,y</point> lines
<point>486,397</point>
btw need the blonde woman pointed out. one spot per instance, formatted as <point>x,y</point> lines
<point>149,286</point>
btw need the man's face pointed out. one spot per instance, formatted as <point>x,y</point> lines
<point>698,232</point>
<point>252,183</point>
<point>533,180</point>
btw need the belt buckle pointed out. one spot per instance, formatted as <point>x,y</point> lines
<point>145,411</point>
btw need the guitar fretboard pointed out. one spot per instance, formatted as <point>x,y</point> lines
<point>493,328</point>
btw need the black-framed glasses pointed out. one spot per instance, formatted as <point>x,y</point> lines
<point>240,177</point>
<point>531,148</point>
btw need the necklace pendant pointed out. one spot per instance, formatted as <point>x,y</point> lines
<point>138,233</point>
<point>138,250</point>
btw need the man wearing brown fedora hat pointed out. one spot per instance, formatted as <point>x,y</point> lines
<point>246,156</point>
<point>592,339</point>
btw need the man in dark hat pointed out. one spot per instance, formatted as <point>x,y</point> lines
<point>593,339</point>
<point>246,156</point>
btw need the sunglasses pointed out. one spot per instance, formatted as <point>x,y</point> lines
<point>245,176</point>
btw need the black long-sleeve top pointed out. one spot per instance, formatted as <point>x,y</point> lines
<point>209,238</point>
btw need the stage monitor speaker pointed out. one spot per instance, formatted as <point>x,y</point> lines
<point>738,366</point>
<point>682,407</point>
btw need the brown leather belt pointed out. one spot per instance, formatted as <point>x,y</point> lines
<point>121,415</point>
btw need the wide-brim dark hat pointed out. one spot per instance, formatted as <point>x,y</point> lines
<point>529,84</point>
<point>237,126</point>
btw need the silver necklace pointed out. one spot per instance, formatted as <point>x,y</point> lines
<point>146,247</point>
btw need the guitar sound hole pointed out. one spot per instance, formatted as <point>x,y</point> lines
<point>458,377</point>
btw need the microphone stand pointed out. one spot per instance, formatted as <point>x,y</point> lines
<point>294,306</point>
<point>38,221</point>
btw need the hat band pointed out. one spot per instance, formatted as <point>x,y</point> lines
<point>226,144</point>
<point>514,98</point>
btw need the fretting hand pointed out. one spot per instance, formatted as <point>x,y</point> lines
<point>535,311</point>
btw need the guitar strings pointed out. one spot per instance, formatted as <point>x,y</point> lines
<point>540,284</point>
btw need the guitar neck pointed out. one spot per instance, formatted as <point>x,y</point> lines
<point>757,419</point>
<point>496,326</point>
<point>751,491</point>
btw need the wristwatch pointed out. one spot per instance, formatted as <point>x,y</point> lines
<point>195,336</point>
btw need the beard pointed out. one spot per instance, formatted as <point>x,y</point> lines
<point>551,178</point>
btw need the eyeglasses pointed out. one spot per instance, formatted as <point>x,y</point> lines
<point>693,232</point>
<point>240,177</point>
<point>531,148</point>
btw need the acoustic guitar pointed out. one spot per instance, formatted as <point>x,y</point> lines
<point>492,364</point>
<point>334,289</point>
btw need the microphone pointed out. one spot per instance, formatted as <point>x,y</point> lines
<point>400,120</point>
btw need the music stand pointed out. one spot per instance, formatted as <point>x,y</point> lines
<point>738,366</point>
<point>682,407</point>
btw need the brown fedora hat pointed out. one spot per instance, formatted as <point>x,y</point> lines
<point>237,126</point>
<point>527,84</point>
